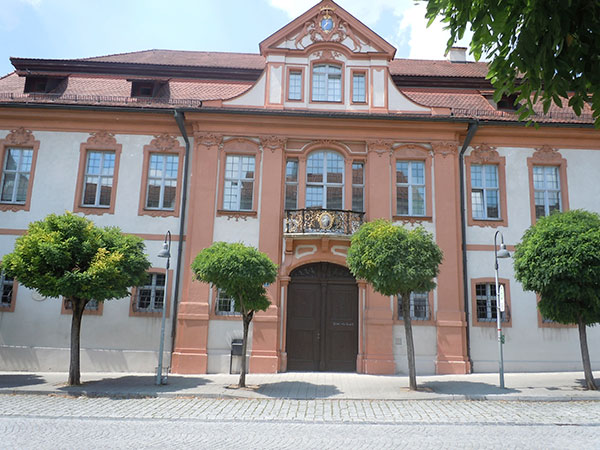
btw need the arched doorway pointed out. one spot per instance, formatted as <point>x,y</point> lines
<point>322,319</point>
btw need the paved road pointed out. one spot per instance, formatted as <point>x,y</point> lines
<point>61,422</point>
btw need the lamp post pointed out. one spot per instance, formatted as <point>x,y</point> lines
<point>503,253</point>
<point>165,253</point>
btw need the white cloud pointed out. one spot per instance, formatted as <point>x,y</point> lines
<point>410,26</point>
<point>34,3</point>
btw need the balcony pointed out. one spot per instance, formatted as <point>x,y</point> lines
<point>322,221</point>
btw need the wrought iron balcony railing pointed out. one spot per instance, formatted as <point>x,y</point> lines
<point>330,221</point>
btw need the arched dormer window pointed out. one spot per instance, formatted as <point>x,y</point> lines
<point>327,83</point>
<point>325,180</point>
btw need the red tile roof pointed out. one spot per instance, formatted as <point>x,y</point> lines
<point>116,90</point>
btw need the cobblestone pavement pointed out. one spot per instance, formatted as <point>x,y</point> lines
<point>63,422</point>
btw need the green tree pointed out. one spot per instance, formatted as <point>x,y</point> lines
<point>69,256</point>
<point>559,258</point>
<point>396,261</point>
<point>542,50</point>
<point>240,272</point>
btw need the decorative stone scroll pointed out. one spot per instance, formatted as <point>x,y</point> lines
<point>485,154</point>
<point>20,136</point>
<point>102,139</point>
<point>164,143</point>
<point>208,139</point>
<point>445,149</point>
<point>547,154</point>
<point>273,142</point>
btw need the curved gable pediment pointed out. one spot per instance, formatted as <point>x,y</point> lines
<point>326,22</point>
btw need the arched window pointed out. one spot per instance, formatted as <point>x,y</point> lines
<point>325,180</point>
<point>327,83</point>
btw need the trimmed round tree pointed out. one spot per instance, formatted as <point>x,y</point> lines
<point>559,259</point>
<point>396,261</point>
<point>69,256</point>
<point>241,272</point>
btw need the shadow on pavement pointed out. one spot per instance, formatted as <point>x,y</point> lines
<point>17,380</point>
<point>581,384</point>
<point>133,386</point>
<point>465,388</point>
<point>297,390</point>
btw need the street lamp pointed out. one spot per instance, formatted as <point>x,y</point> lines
<point>164,253</point>
<point>502,253</point>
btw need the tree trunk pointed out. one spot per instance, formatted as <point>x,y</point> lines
<point>585,356</point>
<point>410,346</point>
<point>247,318</point>
<point>78,306</point>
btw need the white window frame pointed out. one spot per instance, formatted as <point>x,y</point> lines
<point>327,83</point>
<point>410,184</point>
<point>325,184</point>
<point>483,191</point>
<point>291,184</point>
<point>154,288</point>
<point>10,283</point>
<point>360,186</point>
<point>99,177</point>
<point>359,89</point>
<point>490,315</point>
<point>17,173</point>
<point>224,305</point>
<point>235,202</point>
<point>295,85</point>
<point>546,189</point>
<point>163,181</point>
<point>421,297</point>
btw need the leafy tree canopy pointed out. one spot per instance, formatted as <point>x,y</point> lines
<point>240,271</point>
<point>559,258</point>
<point>68,255</point>
<point>393,259</point>
<point>543,50</point>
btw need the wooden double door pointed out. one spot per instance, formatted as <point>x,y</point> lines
<point>322,319</point>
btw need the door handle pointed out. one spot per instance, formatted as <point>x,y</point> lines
<point>318,336</point>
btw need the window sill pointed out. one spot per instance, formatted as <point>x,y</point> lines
<point>94,210</point>
<point>158,213</point>
<point>14,207</point>
<point>413,219</point>
<point>234,317</point>
<point>416,322</point>
<point>493,223</point>
<point>491,323</point>
<point>147,314</point>
<point>237,215</point>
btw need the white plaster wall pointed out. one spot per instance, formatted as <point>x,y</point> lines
<point>399,102</point>
<point>220,335</point>
<point>255,96</point>
<point>582,178</point>
<point>276,84</point>
<point>36,336</point>
<point>527,346</point>
<point>232,230</point>
<point>424,338</point>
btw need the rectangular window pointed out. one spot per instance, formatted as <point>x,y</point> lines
<point>327,83</point>
<point>546,188</point>
<point>7,285</point>
<point>224,306</point>
<point>15,175</point>
<point>291,184</point>
<point>92,305</point>
<point>358,187</point>
<point>485,295</point>
<point>98,179</point>
<point>295,85</point>
<point>419,306</point>
<point>239,183</point>
<point>410,188</point>
<point>151,296</point>
<point>485,193</point>
<point>359,90</point>
<point>162,181</point>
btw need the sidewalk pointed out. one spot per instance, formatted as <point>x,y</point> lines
<point>560,386</point>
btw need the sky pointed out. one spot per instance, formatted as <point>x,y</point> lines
<point>65,29</point>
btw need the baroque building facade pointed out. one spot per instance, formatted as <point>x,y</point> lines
<point>288,150</point>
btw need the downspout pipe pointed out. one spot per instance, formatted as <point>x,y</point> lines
<point>180,119</point>
<point>473,126</point>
